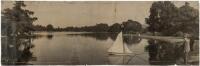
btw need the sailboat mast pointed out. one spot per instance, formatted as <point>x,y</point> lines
<point>115,16</point>
<point>115,11</point>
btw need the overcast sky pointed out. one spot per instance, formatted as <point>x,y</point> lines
<point>65,14</point>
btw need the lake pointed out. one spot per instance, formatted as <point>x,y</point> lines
<point>80,48</point>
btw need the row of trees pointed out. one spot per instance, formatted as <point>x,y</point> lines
<point>129,26</point>
<point>19,21</point>
<point>167,19</point>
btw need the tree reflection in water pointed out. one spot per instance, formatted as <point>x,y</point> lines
<point>49,36</point>
<point>129,40</point>
<point>98,36</point>
<point>162,53</point>
<point>16,50</point>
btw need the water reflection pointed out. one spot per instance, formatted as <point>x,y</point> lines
<point>98,36</point>
<point>130,40</point>
<point>86,48</point>
<point>162,53</point>
<point>16,50</point>
<point>49,36</point>
<point>119,60</point>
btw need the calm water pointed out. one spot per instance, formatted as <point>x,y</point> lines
<point>63,48</point>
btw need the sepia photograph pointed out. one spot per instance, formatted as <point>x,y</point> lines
<point>99,33</point>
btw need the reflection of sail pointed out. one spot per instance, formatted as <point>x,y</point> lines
<point>118,46</point>
<point>118,60</point>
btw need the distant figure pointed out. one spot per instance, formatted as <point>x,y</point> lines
<point>186,47</point>
<point>186,43</point>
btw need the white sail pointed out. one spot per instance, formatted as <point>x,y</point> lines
<point>118,46</point>
<point>126,49</point>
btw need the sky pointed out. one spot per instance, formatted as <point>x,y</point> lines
<point>70,13</point>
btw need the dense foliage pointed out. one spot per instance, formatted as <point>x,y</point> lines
<point>17,21</point>
<point>167,19</point>
<point>130,26</point>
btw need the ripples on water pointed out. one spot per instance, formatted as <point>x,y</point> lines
<point>62,48</point>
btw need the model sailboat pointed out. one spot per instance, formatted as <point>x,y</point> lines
<point>119,48</point>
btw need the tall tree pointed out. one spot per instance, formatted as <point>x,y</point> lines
<point>19,19</point>
<point>115,28</point>
<point>131,26</point>
<point>162,15</point>
<point>188,19</point>
<point>167,19</point>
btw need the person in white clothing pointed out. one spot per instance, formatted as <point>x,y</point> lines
<point>186,45</point>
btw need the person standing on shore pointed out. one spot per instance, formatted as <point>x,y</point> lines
<point>186,47</point>
<point>186,43</point>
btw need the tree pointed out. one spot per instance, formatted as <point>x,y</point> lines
<point>18,20</point>
<point>50,27</point>
<point>162,15</point>
<point>188,19</point>
<point>131,26</point>
<point>169,20</point>
<point>115,28</point>
<point>101,27</point>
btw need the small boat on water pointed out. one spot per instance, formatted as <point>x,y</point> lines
<point>119,52</point>
<point>118,47</point>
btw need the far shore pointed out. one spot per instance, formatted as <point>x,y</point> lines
<point>170,39</point>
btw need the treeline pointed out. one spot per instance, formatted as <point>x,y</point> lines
<point>129,26</point>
